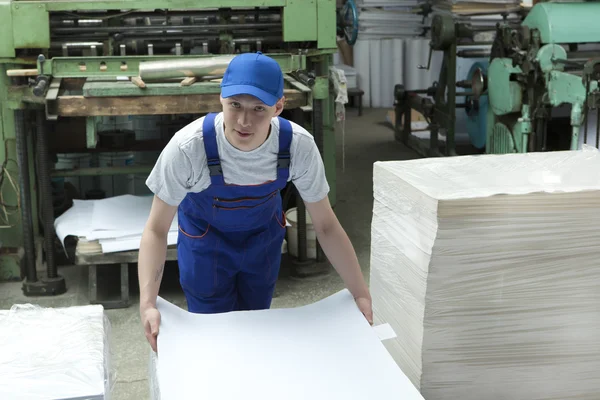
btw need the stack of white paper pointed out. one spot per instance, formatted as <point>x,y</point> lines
<point>488,269</point>
<point>55,353</point>
<point>390,19</point>
<point>108,225</point>
<point>481,14</point>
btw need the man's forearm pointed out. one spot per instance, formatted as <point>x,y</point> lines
<point>151,264</point>
<point>338,248</point>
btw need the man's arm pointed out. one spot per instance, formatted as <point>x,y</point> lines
<point>153,251</point>
<point>338,248</point>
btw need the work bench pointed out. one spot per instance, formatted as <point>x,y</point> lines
<point>123,259</point>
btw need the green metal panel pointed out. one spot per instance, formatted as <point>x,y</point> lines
<point>566,88</point>
<point>73,67</point>
<point>7,48</point>
<point>9,267</point>
<point>505,96</point>
<point>326,18</point>
<point>128,89</point>
<point>91,133</point>
<point>62,5</point>
<point>565,22</point>
<point>300,21</point>
<point>31,25</point>
<point>10,237</point>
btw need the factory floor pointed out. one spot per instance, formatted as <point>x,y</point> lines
<point>368,139</point>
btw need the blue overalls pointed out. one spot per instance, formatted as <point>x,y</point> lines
<point>230,236</point>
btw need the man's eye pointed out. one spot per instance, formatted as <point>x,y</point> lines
<point>235,105</point>
<point>259,108</point>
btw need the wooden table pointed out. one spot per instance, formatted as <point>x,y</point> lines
<point>123,259</point>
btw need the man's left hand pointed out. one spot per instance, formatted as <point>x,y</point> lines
<point>364,305</point>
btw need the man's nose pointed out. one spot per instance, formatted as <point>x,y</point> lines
<point>244,119</point>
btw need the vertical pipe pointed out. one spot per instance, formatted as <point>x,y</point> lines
<point>451,103</point>
<point>322,69</point>
<point>597,127</point>
<point>25,197</point>
<point>46,192</point>
<point>298,117</point>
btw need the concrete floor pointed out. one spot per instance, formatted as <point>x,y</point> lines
<point>368,139</point>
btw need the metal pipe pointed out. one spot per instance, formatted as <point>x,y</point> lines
<point>46,193</point>
<point>473,53</point>
<point>271,15</point>
<point>319,133</point>
<point>213,66</point>
<point>158,28</point>
<point>597,128</point>
<point>25,197</point>
<point>100,171</point>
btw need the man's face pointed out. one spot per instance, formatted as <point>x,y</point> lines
<point>248,120</point>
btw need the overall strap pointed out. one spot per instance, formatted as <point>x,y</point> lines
<point>209,135</point>
<point>285,140</point>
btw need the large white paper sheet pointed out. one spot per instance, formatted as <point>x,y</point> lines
<point>326,350</point>
<point>116,222</point>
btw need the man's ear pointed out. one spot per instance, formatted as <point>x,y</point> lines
<point>279,106</point>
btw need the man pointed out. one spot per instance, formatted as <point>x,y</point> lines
<point>222,174</point>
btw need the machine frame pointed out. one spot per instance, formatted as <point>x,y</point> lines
<point>37,89</point>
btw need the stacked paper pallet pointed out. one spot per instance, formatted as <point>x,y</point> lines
<point>488,269</point>
<point>55,353</point>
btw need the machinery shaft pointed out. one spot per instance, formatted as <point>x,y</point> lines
<point>46,192</point>
<point>25,197</point>
<point>213,66</point>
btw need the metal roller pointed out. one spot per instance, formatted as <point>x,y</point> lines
<point>213,66</point>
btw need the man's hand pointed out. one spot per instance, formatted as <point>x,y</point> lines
<point>364,305</point>
<point>151,321</point>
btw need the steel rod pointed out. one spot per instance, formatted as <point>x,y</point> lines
<point>158,28</point>
<point>103,171</point>
<point>213,66</point>
<point>25,197</point>
<point>46,193</point>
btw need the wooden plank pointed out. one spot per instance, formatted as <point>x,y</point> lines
<point>80,106</point>
<point>127,89</point>
<point>118,258</point>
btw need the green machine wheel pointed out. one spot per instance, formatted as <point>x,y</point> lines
<point>501,139</point>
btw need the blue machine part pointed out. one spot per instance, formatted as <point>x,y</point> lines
<point>350,22</point>
<point>476,111</point>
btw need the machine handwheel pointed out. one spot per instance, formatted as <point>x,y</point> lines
<point>348,22</point>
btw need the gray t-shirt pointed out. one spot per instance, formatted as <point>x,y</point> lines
<point>181,167</point>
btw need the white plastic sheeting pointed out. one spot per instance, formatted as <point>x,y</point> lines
<point>486,267</point>
<point>55,353</point>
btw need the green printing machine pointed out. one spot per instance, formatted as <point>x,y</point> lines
<point>63,60</point>
<point>550,60</point>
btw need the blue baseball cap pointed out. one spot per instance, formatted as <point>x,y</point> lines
<point>254,74</point>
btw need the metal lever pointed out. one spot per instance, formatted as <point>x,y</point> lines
<point>41,82</point>
<point>428,62</point>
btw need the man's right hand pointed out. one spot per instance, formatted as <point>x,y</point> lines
<point>151,321</point>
